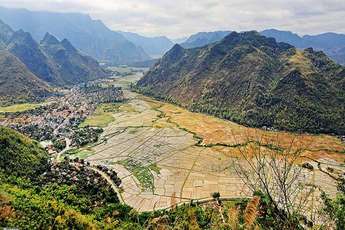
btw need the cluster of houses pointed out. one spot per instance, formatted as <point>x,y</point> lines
<point>62,116</point>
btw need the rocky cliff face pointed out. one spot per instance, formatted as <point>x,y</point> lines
<point>254,80</point>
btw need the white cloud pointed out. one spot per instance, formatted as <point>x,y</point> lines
<point>176,18</point>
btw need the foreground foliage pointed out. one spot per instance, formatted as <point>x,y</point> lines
<point>37,194</point>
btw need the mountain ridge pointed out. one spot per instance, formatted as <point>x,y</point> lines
<point>90,36</point>
<point>252,79</point>
<point>154,46</point>
<point>41,60</point>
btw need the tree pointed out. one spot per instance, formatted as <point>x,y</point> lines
<point>274,172</point>
<point>335,208</point>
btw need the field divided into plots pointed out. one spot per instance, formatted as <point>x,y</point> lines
<point>166,155</point>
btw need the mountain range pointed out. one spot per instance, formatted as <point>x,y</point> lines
<point>332,44</point>
<point>204,38</point>
<point>55,62</point>
<point>253,80</point>
<point>28,67</point>
<point>154,46</point>
<point>90,36</point>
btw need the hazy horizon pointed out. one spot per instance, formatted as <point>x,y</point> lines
<point>182,18</point>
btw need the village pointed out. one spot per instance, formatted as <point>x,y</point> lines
<point>56,123</point>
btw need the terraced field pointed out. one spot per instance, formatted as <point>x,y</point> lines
<point>166,155</point>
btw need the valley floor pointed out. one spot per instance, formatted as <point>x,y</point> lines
<point>166,155</point>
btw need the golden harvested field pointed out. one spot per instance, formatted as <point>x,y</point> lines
<point>165,154</point>
<point>217,131</point>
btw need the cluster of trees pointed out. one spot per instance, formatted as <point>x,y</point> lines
<point>35,131</point>
<point>86,135</point>
<point>111,173</point>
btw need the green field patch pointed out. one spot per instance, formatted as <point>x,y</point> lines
<point>142,173</point>
<point>18,108</point>
<point>154,167</point>
<point>102,116</point>
<point>79,153</point>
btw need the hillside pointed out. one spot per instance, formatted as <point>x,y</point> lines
<point>70,64</point>
<point>21,156</point>
<point>17,83</point>
<point>90,36</point>
<point>253,80</point>
<point>23,46</point>
<point>154,46</point>
<point>55,62</point>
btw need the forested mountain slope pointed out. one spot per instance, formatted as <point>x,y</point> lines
<point>254,80</point>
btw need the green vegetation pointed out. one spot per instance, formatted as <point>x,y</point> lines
<point>19,108</point>
<point>79,153</point>
<point>19,155</point>
<point>102,116</point>
<point>253,80</point>
<point>86,135</point>
<point>37,195</point>
<point>142,173</point>
<point>154,167</point>
<point>335,208</point>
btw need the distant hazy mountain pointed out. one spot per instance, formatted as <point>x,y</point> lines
<point>17,83</point>
<point>331,43</point>
<point>55,62</point>
<point>23,46</point>
<point>252,79</point>
<point>90,36</point>
<point>204,38</point>
<point>72,67</point>
<point>154,46</point>
<point>179,40</point>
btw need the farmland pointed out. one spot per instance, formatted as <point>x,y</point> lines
<point>166,155</point>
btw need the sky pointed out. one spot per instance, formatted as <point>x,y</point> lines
<point>180,18</point>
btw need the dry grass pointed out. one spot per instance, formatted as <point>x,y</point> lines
<point>251,212</point>
<point>301,62</point>
<point>215,131</point>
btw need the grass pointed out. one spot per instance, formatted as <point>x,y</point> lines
<point>154,167</point>
<point>102,116</point>
<point>302,62</point>
<point>127,108</point>
<point>80,153</point>
<point>142,173</point>
<point>18,108</point>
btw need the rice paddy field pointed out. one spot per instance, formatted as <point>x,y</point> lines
<point>166,155</point>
